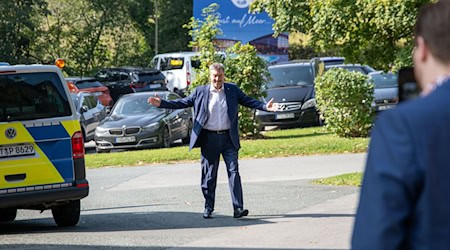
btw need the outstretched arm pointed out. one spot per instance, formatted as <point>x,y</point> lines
<point>173,104</point>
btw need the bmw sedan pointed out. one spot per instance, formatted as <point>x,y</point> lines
<point>134,123</point>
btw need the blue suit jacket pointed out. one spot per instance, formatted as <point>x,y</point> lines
<point>405,195</point>
<point>199,100</point>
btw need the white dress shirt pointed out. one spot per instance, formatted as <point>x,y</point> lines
<point>217,110</point>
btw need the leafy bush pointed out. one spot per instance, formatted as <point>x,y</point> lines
<point>344,99</point>
<point>250,73</point>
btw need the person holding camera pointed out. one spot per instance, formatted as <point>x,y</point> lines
<point>404,201</point>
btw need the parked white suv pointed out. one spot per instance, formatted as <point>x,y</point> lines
<point>178,68</point>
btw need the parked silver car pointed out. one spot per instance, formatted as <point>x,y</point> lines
<point>90,112</point>
<point>385,91</point>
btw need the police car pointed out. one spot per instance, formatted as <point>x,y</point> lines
<point>41,144</point>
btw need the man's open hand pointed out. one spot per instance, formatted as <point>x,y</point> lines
<point>154,100</point>
<point>272,107</point>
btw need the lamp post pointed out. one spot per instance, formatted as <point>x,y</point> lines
<point>156,26</point>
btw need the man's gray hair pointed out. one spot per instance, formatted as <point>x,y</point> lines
<point>217,67</point>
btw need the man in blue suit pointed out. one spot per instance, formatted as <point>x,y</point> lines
<point>404,201</point>
<point>216,132</point>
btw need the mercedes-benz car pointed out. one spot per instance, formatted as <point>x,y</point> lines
<point>134,123</point>
<point>292,88</point>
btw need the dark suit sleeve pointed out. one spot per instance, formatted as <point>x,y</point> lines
<point>180,103</point>
<point>249,102</point>
<point>389,186</point>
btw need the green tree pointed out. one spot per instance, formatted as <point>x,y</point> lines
<point>203,32</point>
<point>89,35</point>
<point>18,23</point>
<point>171,16</point>
<point>374,32</point>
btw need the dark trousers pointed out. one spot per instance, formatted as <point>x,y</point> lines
<point>215,145</point>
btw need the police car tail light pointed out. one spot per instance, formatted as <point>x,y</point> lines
<point>77,145</point>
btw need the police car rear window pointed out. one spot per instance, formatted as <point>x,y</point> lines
<point>32,96</point>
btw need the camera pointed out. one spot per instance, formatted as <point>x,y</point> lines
<point>408,88</point>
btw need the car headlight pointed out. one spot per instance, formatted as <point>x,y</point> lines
<point>99,131</point>
<point>151,127</point>
<point>311,103</point>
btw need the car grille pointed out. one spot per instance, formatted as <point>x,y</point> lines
<point>289,106</point>
<point>125,131</point>
<point>117,131</point>
<point>133,130</point>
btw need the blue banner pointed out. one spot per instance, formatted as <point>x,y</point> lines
<point>239,25</point>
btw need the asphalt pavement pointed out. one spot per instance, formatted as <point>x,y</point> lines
<point>160,207</point>
<point>327,225</point>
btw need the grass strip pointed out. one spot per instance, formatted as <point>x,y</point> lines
<point>277,143</point>
<point>351,179</point>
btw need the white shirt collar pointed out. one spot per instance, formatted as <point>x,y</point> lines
<point>213,89</point>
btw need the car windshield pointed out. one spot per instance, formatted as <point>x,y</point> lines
<point>290,76</point>
<point>134,105</point>
<point>384,80</point>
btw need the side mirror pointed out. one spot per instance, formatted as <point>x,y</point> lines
<point>83,109</point>
<point>107,110</point>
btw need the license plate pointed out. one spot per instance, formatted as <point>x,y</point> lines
<point>285,116</point>
<point>155,86</point>
<point>126,139</point>
<point>386,107</point>
<point>16,150</point>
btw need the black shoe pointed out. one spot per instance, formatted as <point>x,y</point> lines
<point>239,212</point>
<point>208,213</point>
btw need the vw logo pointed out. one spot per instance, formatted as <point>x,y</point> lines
<point>10,133</point>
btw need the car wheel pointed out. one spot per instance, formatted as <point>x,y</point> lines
<point>67,215</point>
<point>320,122</point>
<point>7,214</point>
<point>165,140</point>
<point>187,139</point>
<point>262,127</point>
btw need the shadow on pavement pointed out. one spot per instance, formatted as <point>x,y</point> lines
<point>305,216</point>
<point>130,221</point>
